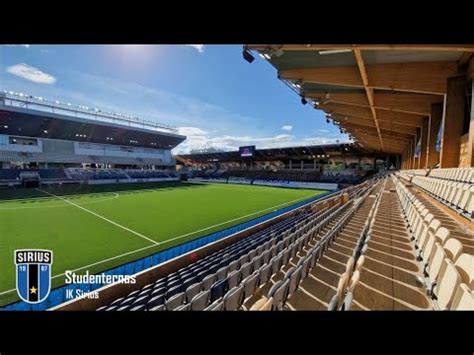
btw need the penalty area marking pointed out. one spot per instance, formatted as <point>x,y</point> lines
<point>166,241</point>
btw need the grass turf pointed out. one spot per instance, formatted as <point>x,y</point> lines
<point>168,214</point>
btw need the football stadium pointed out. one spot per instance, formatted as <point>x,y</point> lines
<point>102,211</point>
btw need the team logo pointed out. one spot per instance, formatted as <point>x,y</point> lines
<point>33,274</point>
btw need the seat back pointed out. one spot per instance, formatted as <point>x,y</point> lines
<point>193,290</point>
<point>175,301</point>
<point>449,281</point>
<point>234,278</point>
<point>218,290</point>
<point>233,298</point>
<point>465,266</point>
<point>436,261</point>
<point>208,281</point>
<point>453,248</point>
<point>280,295</point>
<point>250,284</point>
<point>295,278</point>
<point>200,301</point>
<point>246,269</point>
<point>463,299</point>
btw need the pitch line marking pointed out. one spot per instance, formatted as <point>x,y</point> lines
<point>232,220</point>
<point>53,206</point>
<point>102,217</point>
<point>164,242</point>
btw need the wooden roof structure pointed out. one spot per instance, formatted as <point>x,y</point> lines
<point>379,94</point>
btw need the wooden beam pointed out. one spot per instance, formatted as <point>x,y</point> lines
<point>370,136</point>
<point>388,126</point>
<point>466,56</point>
<point>364,113</point>
<point>418,104</point>
<point>373,140</point>
<point>425,132</point>
<point>470,69</point>
<point>434,123</point>
<point>422,77</point>
<point>357,111</point>
<point>383,132</point>
<point>374,47</point>
<point>351,98</point>
<point>389,146</point>
<point>369,91</point>
<point>470,148</point>
<point>406,102</point>
<point>453,122</point>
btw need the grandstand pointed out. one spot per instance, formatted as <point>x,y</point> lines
<point>382,223</point>
<point>65,144</point>
<point>336,164</point>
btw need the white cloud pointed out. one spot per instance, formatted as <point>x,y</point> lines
<point>198,47</point>
<point>287,128</point>
<point>30,73</point>
<point>227,130</point>
<point>191,131</point>
<point>323,130</point>
<point>198,138</point>
<point>19,45</point>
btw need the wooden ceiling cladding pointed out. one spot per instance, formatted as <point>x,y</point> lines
<point>380,94</point>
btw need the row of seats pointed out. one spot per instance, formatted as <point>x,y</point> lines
<point>145,174</point>
<point>415,172</point>
<point>386,272</point>
<point>185,284</point>
<point>308,250</point>
<point>322,287</point>
<point>47,174</point>
<point>457,195</point>
<point>448,272</point>
<point>289,175</point>
<point>9,174</point>
<point>452,174</point>
<point>211,282</point>
<point>293,245</point>
<point>455,174</point>
<point>113,174</point>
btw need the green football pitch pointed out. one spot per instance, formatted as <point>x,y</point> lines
<point>98,227</point>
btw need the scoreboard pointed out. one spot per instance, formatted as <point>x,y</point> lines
<point>247,151</point>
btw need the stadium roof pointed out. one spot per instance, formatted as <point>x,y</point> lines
<point>379,94</point>
<point>301,152</point>
<point>31,119</point>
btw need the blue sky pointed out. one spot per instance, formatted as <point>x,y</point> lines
<point>208,91</point>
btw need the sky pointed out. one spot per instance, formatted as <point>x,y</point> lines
<point>209,92</point>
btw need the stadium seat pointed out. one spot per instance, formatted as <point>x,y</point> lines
<point>463,299</point>
<point>218,290</point>
<point>465,266</point>
<point>175,301</point>
<point>279,293</point>
<point>193,290</point>
<point>250,284</point>
<point>200,301</point>
<point>216,306</point>
<point>449,281</point>
<point>233,298</point>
